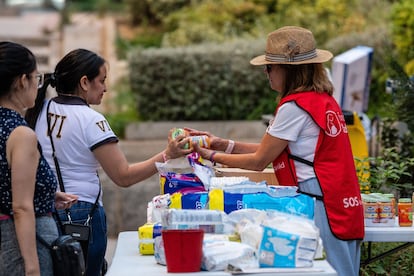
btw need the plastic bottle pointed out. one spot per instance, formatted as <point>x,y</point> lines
<point>405,212</point>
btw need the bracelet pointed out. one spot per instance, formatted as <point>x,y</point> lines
<point>212,157</point>
<point>230,147</point>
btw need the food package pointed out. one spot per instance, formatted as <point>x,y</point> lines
<point>379,210</point>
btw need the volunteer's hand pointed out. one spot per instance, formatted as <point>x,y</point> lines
<point>177,147</point>
<point>204,152</point>
<point>64,200</point>
<point>216,143</point>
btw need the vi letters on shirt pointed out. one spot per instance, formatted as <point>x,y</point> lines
<point>103,125</point>
<point>56,122</point>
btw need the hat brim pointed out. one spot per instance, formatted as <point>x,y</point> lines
<point>321,56</point>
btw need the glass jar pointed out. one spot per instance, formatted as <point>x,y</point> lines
<point>393,204</point>
<point>405,212</point>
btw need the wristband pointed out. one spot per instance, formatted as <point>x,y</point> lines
<point>212,157</point>
<point>230,147</point>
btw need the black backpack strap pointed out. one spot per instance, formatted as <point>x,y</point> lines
<point>309,163</point>
<point>59,174</point>
<point>300,159</point>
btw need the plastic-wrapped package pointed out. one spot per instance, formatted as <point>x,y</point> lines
<point>296,204</point>
<point>156,206</point>
<point>146,234</point>
<point>211,221</point>
<point>217,255</point>
<point>172,182</point>
<point>288,241</point>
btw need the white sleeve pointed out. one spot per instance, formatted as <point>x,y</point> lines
<point>98,130</point>
<point>288,122</point>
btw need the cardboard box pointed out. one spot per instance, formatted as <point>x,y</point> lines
<point>267,174</point>
<point>351,77</point>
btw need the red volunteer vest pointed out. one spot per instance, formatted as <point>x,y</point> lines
<point>333,165</point>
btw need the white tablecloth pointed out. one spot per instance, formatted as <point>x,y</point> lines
<point>128,261</point>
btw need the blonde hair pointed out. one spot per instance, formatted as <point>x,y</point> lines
<point>306,77</point>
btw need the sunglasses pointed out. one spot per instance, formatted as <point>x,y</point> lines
<point>268,68</point>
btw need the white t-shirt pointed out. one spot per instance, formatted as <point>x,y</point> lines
<point>295,125</point>
<point>77,129</point>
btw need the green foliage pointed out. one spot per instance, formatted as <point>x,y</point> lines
<point>336,14</point>
<point>209,82</point>
<point>403,95</point>
<point>147,39</point>
<point>162,8</point>
<point>212,21</point>
<point>400,263</point>
<point>122,108</point>
<point>402,16</point>
<point>392,170</point>
<point>101,6</point>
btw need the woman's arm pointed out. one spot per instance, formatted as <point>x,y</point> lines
<point>23,157</point>
<point>269,148</point>
<point>221,144</point>
<point>116,166</point>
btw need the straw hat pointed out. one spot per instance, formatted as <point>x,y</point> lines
<point>291,45</point>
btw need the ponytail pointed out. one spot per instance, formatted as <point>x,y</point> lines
<point>33,113</point>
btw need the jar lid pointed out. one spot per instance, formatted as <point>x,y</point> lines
<point>405,200</point>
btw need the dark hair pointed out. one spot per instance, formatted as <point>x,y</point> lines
<point>15,60</point>
<point>68,72</point>
<point>72,67</point>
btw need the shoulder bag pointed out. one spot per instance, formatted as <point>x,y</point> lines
<point>67,256</point>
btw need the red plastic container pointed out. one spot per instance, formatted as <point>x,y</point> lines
<point>183,249</point>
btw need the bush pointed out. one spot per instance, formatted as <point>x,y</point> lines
<point>207,82</point>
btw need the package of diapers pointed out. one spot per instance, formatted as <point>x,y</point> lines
<point>146,235</point>
<point>288,242</point>
<point>293,203</point>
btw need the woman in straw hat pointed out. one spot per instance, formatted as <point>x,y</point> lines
<point>307,142</point>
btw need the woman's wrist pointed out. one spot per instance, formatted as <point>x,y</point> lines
<point>212,157</point>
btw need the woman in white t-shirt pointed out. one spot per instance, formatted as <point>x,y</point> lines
<point>84,141</point>
<point>307,142</point>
